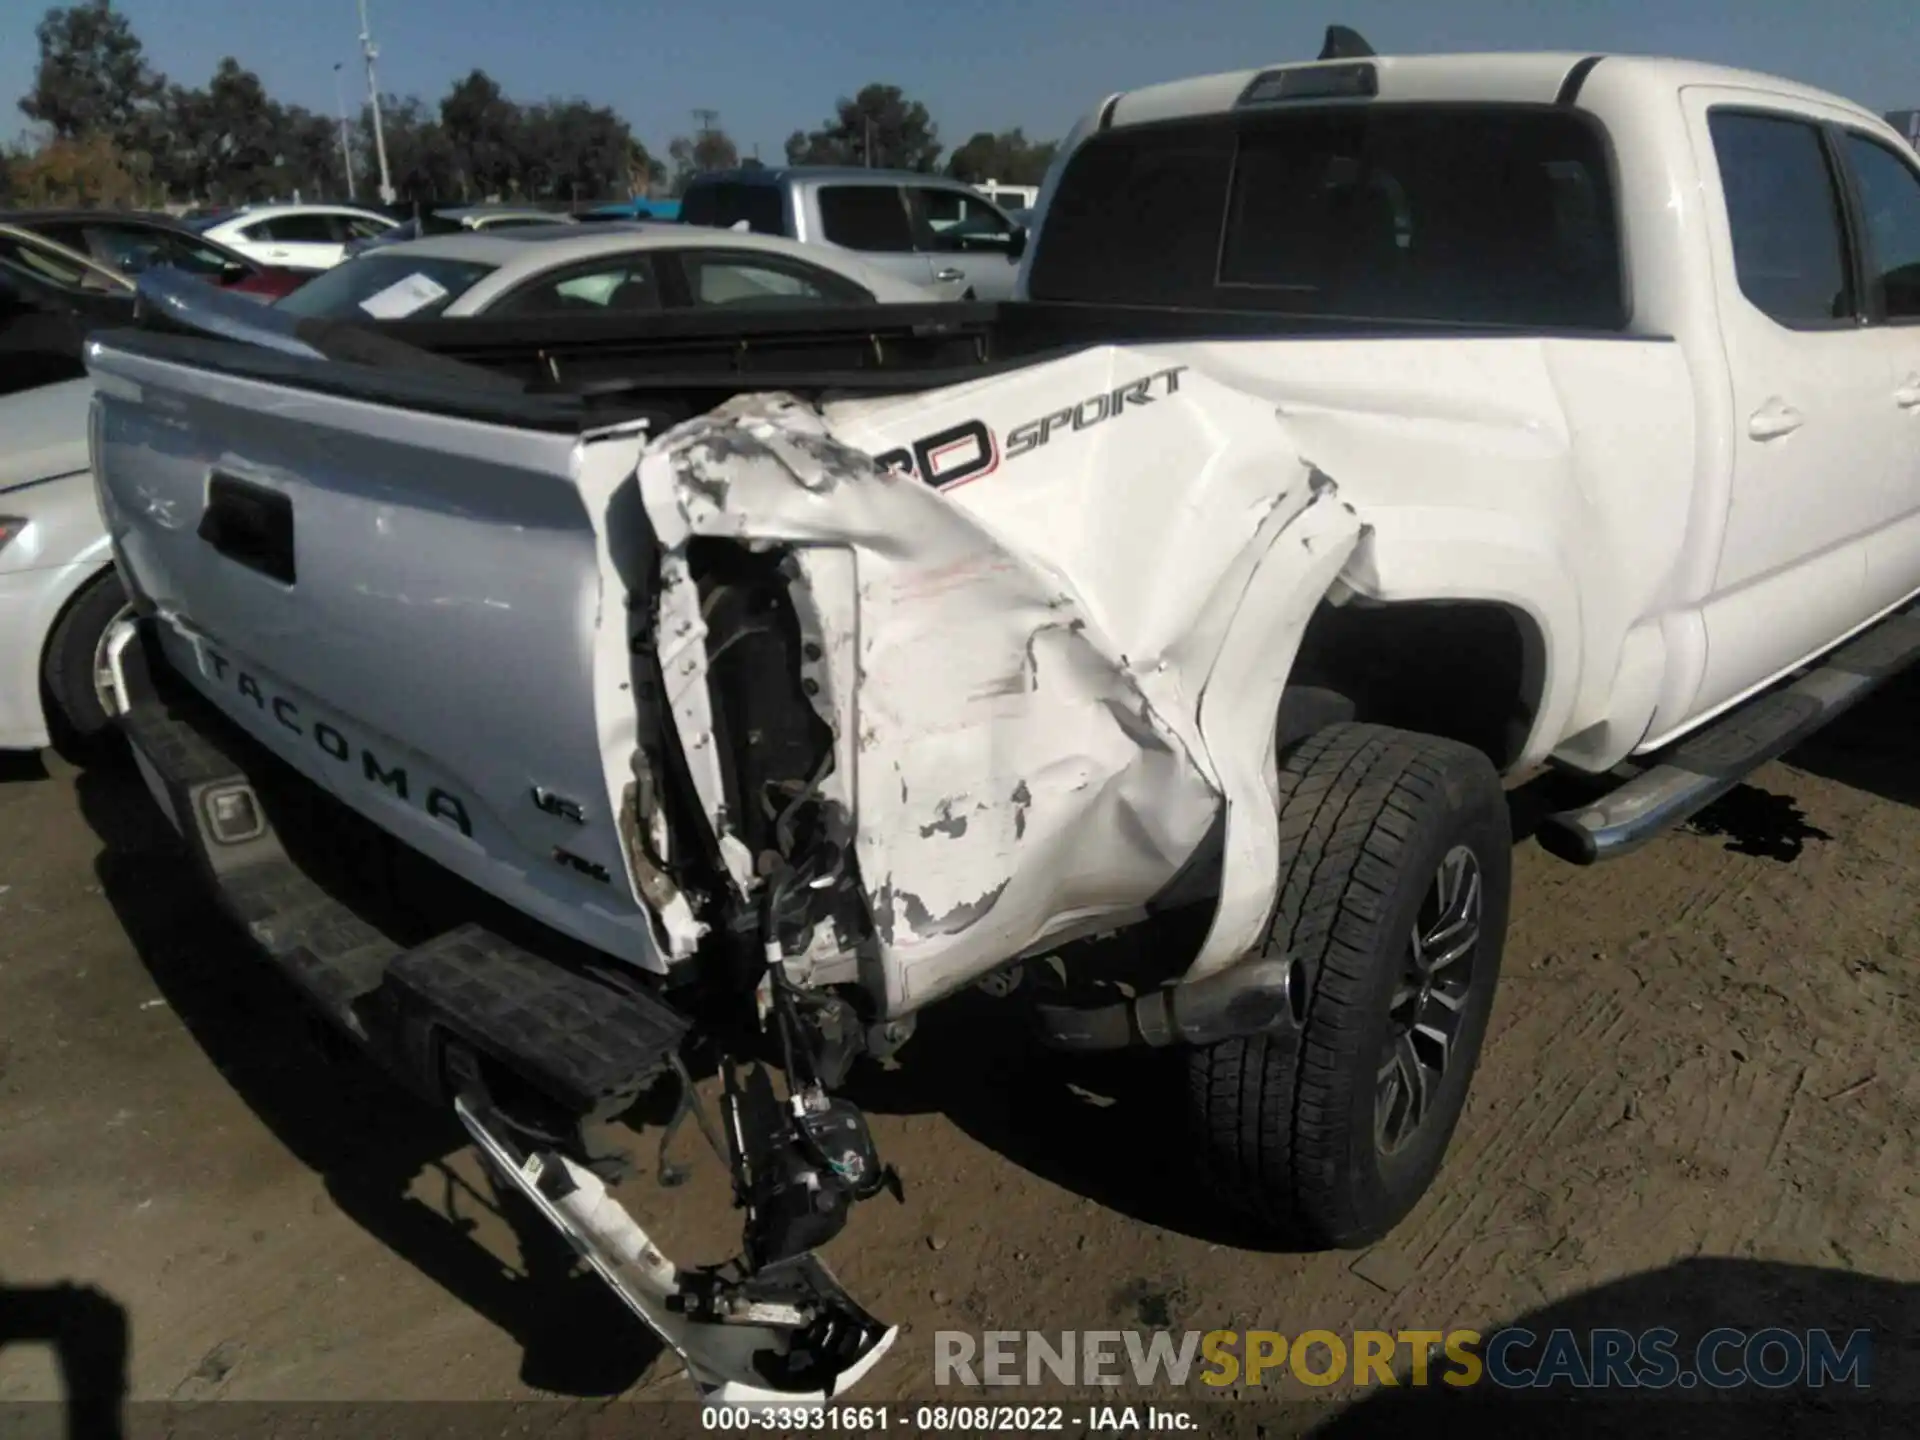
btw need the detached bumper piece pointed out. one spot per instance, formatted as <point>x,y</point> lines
<point>780,1331</point>
<point>786,1335</point>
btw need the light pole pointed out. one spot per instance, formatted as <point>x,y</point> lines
<point>372,52</point>
<point>346,147</point>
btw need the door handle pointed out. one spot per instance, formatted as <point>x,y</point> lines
<point>278,254</point>
<point>1907,397</point>
<point>949,274</point>
<point>1774,419</point>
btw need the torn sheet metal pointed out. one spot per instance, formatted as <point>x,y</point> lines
<point>732,1362</point>
<point>1031,660</point>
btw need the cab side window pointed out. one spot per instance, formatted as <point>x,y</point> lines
<point>873,218</point>
<point>607,287</point>
<point>1783,209</point>
<point>954,221</point>
<point>1889,192</point>
<point>294,230</point>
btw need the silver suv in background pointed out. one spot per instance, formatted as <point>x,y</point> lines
<point>923,228</point>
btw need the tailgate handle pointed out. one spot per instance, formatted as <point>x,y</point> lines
<point>250,525</point>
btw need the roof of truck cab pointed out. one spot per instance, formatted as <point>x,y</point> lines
<point>1511,77</point>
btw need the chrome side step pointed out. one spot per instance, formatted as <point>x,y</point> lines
<point>1705,766</point>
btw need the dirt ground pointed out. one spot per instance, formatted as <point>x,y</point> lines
<point>1699,1052</point>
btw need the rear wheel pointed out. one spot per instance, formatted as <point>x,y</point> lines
<point>1393,899</point>
<point>74,668</point>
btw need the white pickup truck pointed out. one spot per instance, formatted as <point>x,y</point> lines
<point>1369,430</point>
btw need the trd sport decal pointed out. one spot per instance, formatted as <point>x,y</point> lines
<point>969,450</point>
<point>963,452</point>
<point>1107,405</point>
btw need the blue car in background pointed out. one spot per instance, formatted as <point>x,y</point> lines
<point>636,210</point>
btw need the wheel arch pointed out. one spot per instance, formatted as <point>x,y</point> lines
<point>25,718</point>
<point>86,577</point>
<point>1467,669</point>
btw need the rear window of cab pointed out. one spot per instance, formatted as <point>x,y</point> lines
<point>1475,215</point>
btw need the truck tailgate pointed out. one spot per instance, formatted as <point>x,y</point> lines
<point>412,609</point>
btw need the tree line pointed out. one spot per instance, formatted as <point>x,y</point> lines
<point>113,131</point>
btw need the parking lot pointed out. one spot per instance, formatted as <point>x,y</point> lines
<point>1698,1102</point>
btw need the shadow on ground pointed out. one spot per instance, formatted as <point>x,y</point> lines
<point>1871,748</point>
<point>1691,1298</point>
<point>21,767</point>
<point>88,1333</point>
<point>1759,823</point>
<point>338,1114</point>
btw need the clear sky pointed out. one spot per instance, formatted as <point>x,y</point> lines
<point>772,66</point>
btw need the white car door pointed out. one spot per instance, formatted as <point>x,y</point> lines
<point>1811,409</point>
<point>311,240</point>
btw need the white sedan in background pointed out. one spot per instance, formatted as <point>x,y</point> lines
<point>295,237</point>
<point>551,270</point>
<point>58,591</point>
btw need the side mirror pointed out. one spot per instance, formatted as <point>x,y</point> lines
<point>1017,246</point>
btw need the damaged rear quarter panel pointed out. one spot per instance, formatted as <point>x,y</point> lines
<point>1021,664</point>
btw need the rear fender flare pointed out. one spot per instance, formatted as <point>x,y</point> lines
<point>1239,713</point>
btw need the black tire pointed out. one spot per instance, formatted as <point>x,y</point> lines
<point>1290,1122</point>
<point>66,670</point>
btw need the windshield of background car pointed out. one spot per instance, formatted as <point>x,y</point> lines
<point>132,250</point>
<point>383,286</point>
<point>1489,215</point>
<point>39,269</point>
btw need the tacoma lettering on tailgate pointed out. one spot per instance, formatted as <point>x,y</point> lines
<point>333,742</point>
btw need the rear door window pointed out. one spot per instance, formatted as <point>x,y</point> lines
<point>294,230</point>
<point>953,220</point>
<point>1783,213</point>
<point>619,285</point>
<point>744,281</point>
<point>308,229</point>
<point>873,218</point>
<point>1890,199</point>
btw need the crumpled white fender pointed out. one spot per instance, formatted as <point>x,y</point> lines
<point>1045,684</point>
